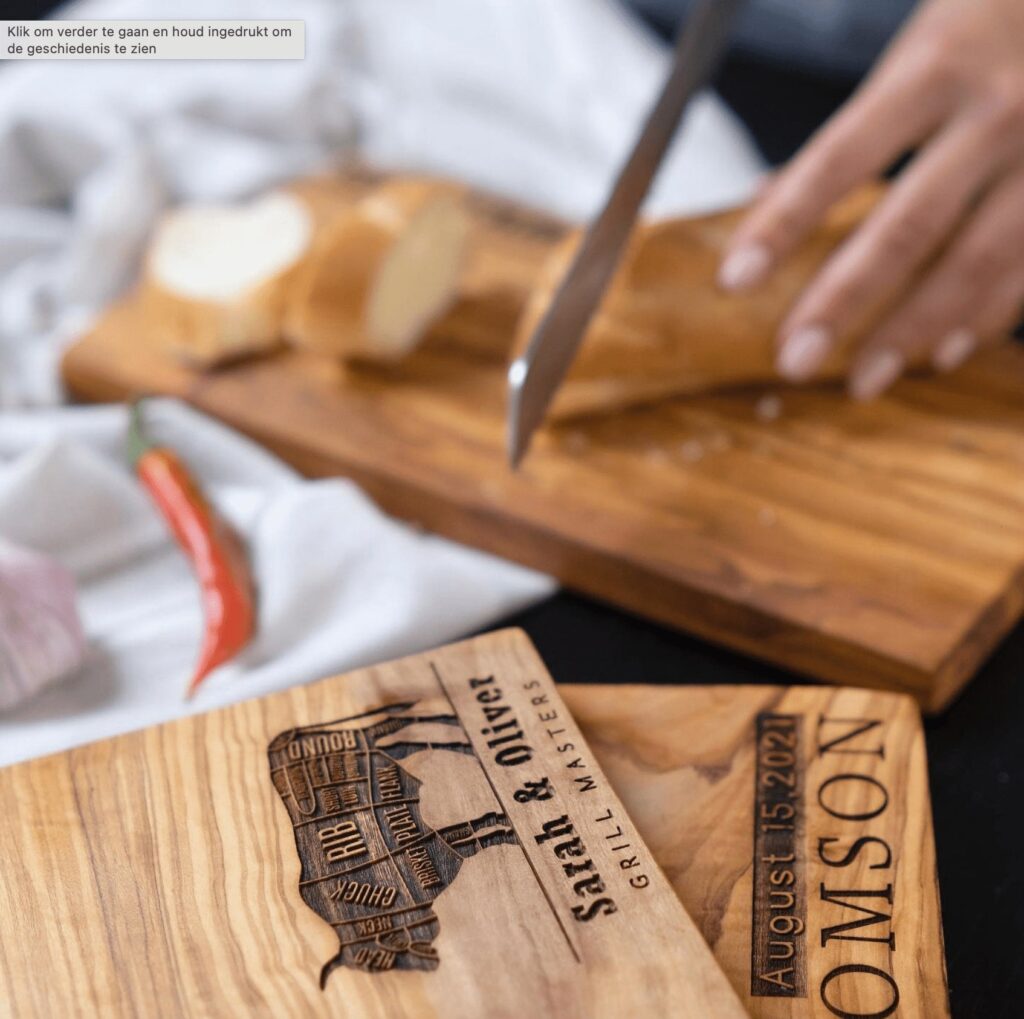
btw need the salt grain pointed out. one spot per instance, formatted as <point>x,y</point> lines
<point>769,407</point>
<point>576,443</point>
<point>767,516</point>
<point>692,451</point>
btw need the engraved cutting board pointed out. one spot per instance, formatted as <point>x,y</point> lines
<point>879,546</point>
<point>795,826</point>
<point>426,838</point>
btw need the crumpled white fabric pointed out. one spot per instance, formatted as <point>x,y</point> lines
<point>536,99</point>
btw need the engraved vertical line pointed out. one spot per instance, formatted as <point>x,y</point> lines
<point>504,810</point>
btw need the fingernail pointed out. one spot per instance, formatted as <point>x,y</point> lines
<point>876,373</point>
<point>803,351</point>
<point>954,349</point>
<point>744,267</point>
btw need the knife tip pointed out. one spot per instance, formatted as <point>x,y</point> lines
<point>516,451</point>
<point>517,442</point>
<point>517,373</point>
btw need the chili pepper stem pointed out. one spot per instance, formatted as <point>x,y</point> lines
<point>214,548</point>
<point>138,444</point>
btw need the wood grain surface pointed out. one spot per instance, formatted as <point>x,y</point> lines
<point>795,826</point>
<point>874,546</point>
<point>389,832</point>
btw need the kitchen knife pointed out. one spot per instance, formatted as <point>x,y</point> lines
<point>534,377</point>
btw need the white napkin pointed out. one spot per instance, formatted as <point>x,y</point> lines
<point>538,99</point>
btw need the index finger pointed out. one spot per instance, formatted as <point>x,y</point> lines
<point>895,109</point>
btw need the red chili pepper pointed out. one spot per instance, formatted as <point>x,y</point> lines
<point>212,545</point>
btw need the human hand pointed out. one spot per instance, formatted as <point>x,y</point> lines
<point>944,250</point>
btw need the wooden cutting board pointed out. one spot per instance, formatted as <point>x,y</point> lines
<point>795,826</point>
<point>158,873</point>
<point>409,840</point>
<point>879,546</point>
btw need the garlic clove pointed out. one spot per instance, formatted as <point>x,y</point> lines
<point>41,636</point>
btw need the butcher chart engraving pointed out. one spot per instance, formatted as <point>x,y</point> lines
<point>371,866</point>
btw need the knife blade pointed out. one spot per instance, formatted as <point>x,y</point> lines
<point>534,377</point>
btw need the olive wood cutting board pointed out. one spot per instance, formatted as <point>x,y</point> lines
<point>407,840</point>
<point>795,826</point>
<point>874,546</point>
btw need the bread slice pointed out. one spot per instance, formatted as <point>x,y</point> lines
<point>665,328</point>
<point>383,271</point>
<point>218,278</point>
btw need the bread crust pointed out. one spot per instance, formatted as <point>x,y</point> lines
<point>331,310</point>
<point>665,327</point>
<point>205,332</point>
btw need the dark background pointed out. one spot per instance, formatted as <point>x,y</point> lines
<point>975,750</point>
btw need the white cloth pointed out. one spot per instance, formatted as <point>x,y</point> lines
<point>537,99</point>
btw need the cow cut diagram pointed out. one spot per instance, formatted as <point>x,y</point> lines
<point>371,867</point>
